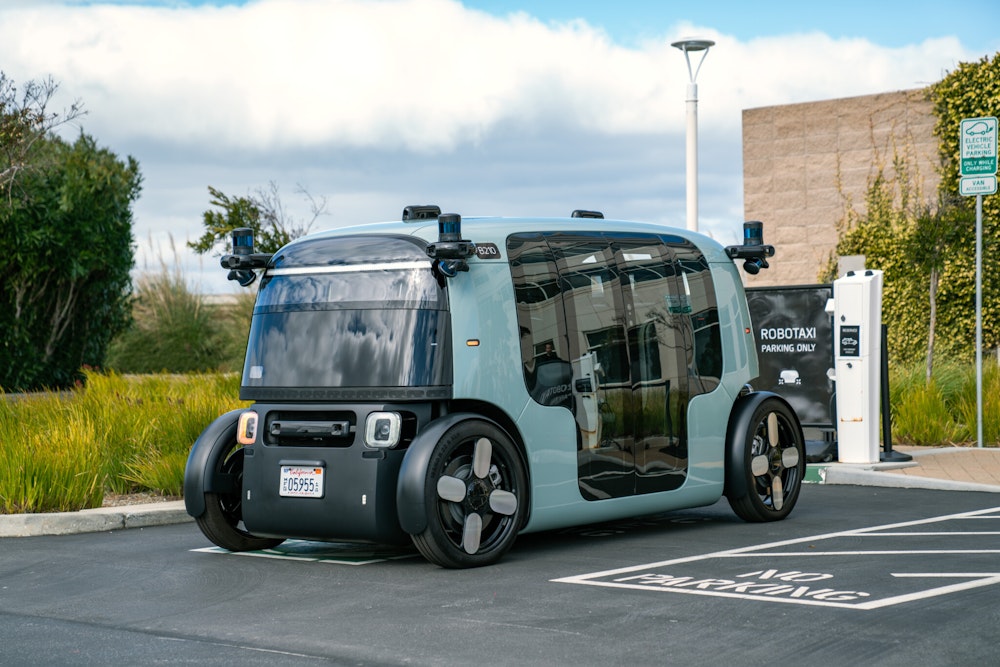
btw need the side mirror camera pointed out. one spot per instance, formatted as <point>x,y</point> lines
<point>244,260</point>
<point>753,250</point>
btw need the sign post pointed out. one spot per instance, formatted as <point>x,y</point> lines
<point>977,140</point>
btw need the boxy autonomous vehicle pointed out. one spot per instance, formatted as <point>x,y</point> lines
<point>410,384</point>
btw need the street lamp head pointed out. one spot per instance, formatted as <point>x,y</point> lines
<point>686,45</point>
<point>692,45</point>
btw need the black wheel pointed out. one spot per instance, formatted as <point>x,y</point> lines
<point>774,463</point>
<point>222,522</point>
<point>476,497</point>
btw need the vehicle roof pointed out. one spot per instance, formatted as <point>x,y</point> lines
<point>493,229</point>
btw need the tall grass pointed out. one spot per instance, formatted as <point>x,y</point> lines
<point>991,404</point>
<point>175,330</point>
<point>116,434</point>
<point>943,411</point>
<point>48,457</point>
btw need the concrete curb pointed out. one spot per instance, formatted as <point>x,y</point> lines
<point>846,474</point>
<point>93,520</point>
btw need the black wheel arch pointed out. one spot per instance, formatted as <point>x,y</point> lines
<point>200,472</point>
<point>739,423</point>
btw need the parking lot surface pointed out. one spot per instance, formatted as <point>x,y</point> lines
<point>878,576</point>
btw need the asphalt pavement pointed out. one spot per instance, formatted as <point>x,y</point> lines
<point>940,468</point>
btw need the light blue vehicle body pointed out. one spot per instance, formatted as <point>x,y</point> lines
<point>482,308</point>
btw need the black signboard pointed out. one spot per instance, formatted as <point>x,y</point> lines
<point>794,339</point>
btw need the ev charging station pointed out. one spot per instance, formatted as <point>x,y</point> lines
<point>857,326</point>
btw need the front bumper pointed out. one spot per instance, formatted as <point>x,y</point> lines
<point>358,500</point>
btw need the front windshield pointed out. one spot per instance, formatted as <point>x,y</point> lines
<point>350,328</point>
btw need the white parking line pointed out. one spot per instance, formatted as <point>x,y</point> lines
<point>691,576</point>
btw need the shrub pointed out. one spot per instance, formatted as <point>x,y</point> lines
<point>66,240</point>
<point>991,404</point>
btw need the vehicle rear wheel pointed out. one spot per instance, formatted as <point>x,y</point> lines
<point>774,464</point>
<point>222,522</point>
<point>475,496</point>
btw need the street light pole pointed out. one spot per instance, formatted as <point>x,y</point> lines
<point>688,46</point>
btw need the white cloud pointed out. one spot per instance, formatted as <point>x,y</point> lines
<point>376,104</point>
<point>423,74</point>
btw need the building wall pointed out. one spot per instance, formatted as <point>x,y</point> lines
<point>803,164</point>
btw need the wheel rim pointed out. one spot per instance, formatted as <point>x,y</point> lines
<point>774,460</point>
<point>477,496</point>
<point>232,503</point>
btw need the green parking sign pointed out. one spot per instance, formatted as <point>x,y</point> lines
<point>977,140</point>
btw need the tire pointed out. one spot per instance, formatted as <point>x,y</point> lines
<point>773,463</point>
<point>475,495</point>
<point>222,522</point>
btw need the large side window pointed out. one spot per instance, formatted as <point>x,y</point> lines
<point>658,350</point>
<point>621,329</point>
<point>547,373</point>
<point>699,294</point>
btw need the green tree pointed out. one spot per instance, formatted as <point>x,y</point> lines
<point>25,119</point>
<point>66,242</point>
<point>263,212</point>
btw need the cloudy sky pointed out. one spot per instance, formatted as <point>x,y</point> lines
<point>481,106</point>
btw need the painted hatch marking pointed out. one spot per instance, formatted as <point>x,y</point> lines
<point>774,572</point>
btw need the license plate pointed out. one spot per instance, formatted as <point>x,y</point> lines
<point>301,482</point>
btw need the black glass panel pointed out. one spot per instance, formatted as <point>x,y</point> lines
<point>632,320</point>
<point>349,348</point>
<point>383,288</point>
<point>341,313</point>
<point>350,250</point>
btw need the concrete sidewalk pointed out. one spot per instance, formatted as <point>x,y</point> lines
<point>942,468</point>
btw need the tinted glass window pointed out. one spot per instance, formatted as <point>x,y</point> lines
<point>336,350</point>
<point>349,322</point>
<point>547,373</point>
<point>350,251</point>
<point>699,300</point>
<point>631,322</point>
<point>388,285</point>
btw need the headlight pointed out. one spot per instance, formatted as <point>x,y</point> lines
<point>246,428</point>
<point>382,429</point>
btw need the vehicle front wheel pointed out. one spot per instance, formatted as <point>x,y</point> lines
<point>222,521</point>
<point>475,496</point>
<point>774,463</point>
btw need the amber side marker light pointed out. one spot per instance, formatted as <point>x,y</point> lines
<point>246,429</point>
<point>472,342</point>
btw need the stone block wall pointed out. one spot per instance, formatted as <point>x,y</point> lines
<point>803,164</point>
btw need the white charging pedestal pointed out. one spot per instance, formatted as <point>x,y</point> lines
<point>857,338</point>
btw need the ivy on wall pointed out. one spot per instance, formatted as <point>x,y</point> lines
<point>927,252</point>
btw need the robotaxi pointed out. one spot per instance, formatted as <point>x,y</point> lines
<point>410,384</point>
